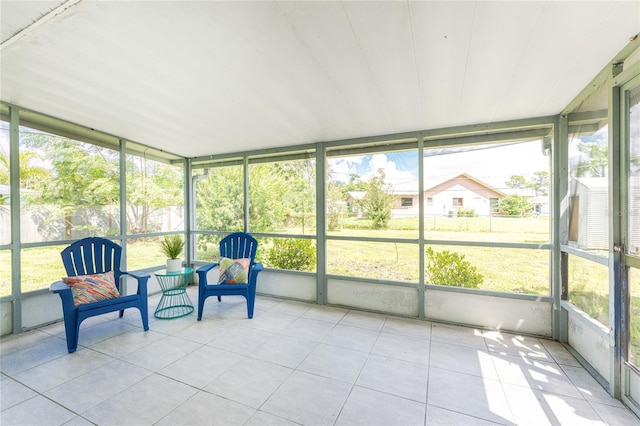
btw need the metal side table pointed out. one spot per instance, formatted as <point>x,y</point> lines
<point>175,302</point>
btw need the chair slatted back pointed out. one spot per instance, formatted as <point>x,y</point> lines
<point>239,245</point>
<point>92,256</point>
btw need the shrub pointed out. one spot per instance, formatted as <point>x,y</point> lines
<point>466,213</point>
<point>292,254</point>
<point>514,205</point>
<point>450,268</point>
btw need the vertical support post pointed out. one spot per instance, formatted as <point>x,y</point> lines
<point>14,171</point>
<point>421,277</point>
<point>321,228</point>
<point>123,203</point>
<point>245,168</point>
<point>616,268</point>
<point>559,225</point>
<point>188,207</point>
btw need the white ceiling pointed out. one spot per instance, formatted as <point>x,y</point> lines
<point>202,77</point>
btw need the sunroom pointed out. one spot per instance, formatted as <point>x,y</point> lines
<point>471,164</point>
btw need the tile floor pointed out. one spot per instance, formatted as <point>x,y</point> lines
<point>293,363</point>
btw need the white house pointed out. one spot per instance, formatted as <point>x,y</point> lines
<point>448,197</point>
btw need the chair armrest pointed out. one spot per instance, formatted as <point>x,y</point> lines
<point>257,267</point>
<point>64,291</point>
<point>138,275</point>
<point>202,273</point>
<point>142,278</point>
<point>206,268</point>
<point>59,287</point>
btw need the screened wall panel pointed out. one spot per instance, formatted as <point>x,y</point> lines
<point>282,197</point>
<point>69,189</point>
<point>155,195</point>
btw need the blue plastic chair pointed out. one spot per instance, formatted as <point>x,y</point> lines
<point>96,256</point>
<point>234,246</point>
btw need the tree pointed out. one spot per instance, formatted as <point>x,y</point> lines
<point>220,200</point>
<point>151,187</point>
<point>595,161</point>
<point>516,182</point>
<point>539,183</point>
<point>376,202</point>
<point>30,173</point>
<point>514,205</point>
<point>82,176</point>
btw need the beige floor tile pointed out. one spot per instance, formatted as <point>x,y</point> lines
<point>128,342</point>
<point>437,416</point>
<point>407,327</point>
<point>470,395</point>
<point>457,335</point>
<point>615,416</point>
<point>308,399</point>
<point>401,347</point>
<point>13,393</point>
<point>207,409</point>
<point>60,370</point>
<point>364,320</point>
<point>250,382</point>
<point>535,374</point>
<point>501,343</point>
<point>161,353</point>
<point>144,403</point>
<point>325,313</point>
<point>260,418</point>
<point>242,340</point>
<point>367,407</point>
<point>308,329</point>
<point>463,359</point>
<point>202,366</point>
<point>33,355</point>
<point>357,338</point>
<point>396,377</point>
<point>36,411</point>
<point>95,387</point>
<point>284,350</point>
<point>334,362</point>
<point>536,408</point>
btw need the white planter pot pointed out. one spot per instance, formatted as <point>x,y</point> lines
<point>174,265</point>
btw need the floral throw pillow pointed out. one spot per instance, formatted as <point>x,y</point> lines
<point>234,271</point>
<point>92,288</point>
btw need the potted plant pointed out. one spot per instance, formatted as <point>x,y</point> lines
<point>172,246</point>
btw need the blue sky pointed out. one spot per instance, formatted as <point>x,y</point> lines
<point>493,164</point>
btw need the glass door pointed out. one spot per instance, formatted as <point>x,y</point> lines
<point>630,250</point>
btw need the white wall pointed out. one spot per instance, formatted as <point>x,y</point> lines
<point>395,300</point>
<point>591,340</point>
<point>500,313</point>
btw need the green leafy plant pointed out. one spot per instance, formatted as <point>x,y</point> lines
<point>377,203</point>
<point>514,205</point>
<point>292,254</point>
<point>172,246</point>
<point>450,268</point>
<point>466,213</point>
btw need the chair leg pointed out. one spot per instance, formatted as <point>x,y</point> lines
<point>71,330</point>
<point>201,300</point>
<point>73,333</point>
<point>144,313</point>
<point>121,313</point>
<point>250,304</point>
<point>219,298</point>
